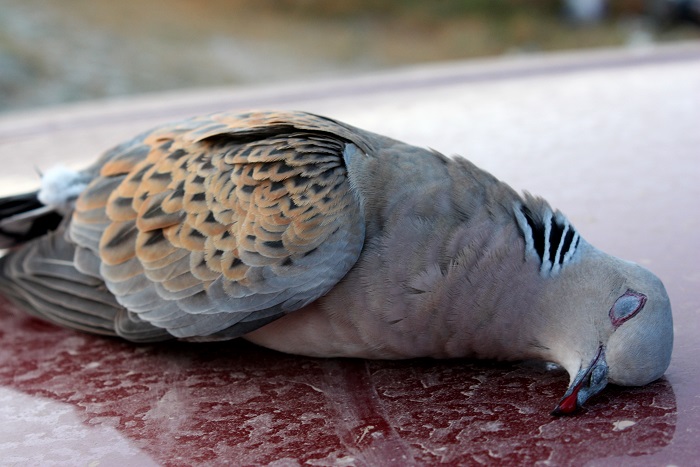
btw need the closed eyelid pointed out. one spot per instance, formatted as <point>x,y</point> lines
<point>627,306</point>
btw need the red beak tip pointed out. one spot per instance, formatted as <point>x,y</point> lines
<point>567,406</point>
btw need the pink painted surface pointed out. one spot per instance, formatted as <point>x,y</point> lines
<point>612,140</point>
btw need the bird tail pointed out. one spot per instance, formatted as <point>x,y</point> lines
<point>23,217</point>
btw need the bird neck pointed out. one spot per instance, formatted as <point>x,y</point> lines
<point>497,314</point>
<point>465,291</point>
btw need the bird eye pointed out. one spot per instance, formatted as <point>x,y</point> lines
<point>626,307</point>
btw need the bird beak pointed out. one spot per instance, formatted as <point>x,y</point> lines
<point>589,381</point>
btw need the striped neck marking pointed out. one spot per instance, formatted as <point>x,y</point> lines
<point>548,236</point>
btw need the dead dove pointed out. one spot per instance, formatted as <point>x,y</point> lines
<point>309,236</point>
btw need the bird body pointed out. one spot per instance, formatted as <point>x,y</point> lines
<point>310,236</point>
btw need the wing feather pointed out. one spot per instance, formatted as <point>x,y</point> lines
<point>202,229</point>
<point>239,218</point>
<point>43,278</point>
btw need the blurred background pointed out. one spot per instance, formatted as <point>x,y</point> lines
<point>58,51</point>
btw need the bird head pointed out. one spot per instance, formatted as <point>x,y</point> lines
<point>605,320</point>
<point>620,330</point>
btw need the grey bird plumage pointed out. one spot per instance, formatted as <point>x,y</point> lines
<point>310,236</point>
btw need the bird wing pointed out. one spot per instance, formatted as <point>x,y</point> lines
<point>220,224</point>
<point>42,278</point>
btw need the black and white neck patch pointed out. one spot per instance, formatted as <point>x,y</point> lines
<point>548,236</point>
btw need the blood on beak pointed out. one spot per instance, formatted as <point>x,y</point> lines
<point>589,381</point>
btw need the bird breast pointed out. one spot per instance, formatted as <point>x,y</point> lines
<point>444,275</point>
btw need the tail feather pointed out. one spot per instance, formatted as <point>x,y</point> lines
<point>23,217</point>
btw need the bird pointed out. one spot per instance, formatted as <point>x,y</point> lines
<point>309,236</point>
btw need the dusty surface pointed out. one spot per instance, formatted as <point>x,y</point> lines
<point>610,139</point>
<point>75,399</point>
